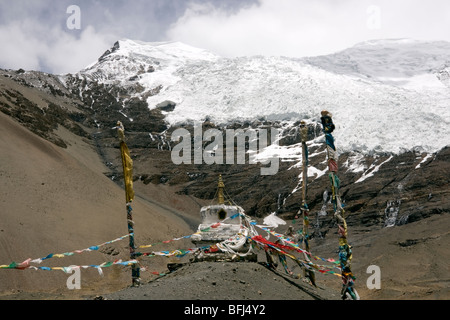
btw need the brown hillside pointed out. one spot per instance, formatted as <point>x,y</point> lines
<point>53,202</point>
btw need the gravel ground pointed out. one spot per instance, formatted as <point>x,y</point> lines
<point>225,281</point>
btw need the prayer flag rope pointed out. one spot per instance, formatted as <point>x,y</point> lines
<point>262,242</point>
<point>67,254</point>
<point>291,243</point>
<point>279,248</point>
<point>26,265</point>
<point>179,253</point>
<point>97,247</point>
<point>291,246</point>
<point>345,250</point>
<point>215,225</point>
<point>253,223</point>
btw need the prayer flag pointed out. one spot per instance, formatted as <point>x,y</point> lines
<point>127,164</point>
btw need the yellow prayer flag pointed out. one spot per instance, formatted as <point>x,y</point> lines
<point>127,164</point>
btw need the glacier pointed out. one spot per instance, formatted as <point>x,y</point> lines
<point>385,96</point>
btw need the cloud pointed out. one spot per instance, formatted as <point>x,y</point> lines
<point>34,35</point>
<point>31,46</point>
<point>304,28</point>
<point>70,53</point>
<point>17,46</point>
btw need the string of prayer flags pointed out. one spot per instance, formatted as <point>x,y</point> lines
<point>279,247</point>
<point>25,265</point>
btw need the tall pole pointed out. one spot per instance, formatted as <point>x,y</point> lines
<point>220,187</point>
<point>127,165</point>
<point>345,252</point>
<point>304,207</point>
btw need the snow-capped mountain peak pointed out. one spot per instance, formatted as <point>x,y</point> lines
<point>130,60</point>
<point>360,86</point>
<point>404,63</point>
<point>160,50</point>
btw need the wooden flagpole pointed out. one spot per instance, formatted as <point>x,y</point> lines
<point>304,207</point>
<point>127,165</point>
<point>345,252</point>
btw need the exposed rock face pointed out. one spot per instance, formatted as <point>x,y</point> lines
<point>56,107</point>
<point>444,75</point>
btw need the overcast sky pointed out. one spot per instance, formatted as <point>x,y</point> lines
<point>53,36</point>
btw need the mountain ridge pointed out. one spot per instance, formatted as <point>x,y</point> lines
<point>203,86</point>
